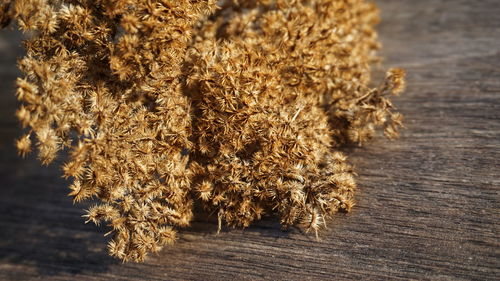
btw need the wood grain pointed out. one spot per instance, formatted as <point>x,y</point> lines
<point>428,204</point>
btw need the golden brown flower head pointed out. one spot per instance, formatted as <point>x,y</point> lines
<point>160,103</point>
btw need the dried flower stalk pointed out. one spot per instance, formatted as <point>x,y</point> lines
<point>239,104</point>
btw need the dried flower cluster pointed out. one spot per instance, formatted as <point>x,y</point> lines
<point>241,105</point>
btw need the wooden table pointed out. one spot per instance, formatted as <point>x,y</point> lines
<point>428,204</point>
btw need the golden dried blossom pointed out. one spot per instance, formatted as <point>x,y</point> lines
<point>242,105</point>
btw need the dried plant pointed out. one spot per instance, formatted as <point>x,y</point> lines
<point>242,105</point>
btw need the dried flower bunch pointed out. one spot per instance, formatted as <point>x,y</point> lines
<point>242,105</point>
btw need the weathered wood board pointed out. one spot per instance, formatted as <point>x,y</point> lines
<point>428,205</point>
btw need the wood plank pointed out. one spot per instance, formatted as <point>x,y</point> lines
<point>428,205</point>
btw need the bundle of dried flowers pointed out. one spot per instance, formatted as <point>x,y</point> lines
<point>242,105</point>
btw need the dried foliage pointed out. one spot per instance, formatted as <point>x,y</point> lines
<point>241,105</point>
